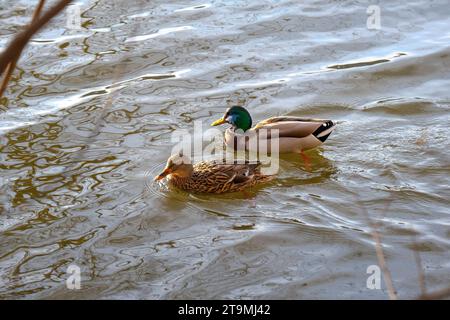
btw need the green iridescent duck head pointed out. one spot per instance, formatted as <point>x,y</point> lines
<point>238,117</point>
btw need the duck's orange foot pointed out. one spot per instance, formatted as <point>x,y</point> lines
<point>306,161</point>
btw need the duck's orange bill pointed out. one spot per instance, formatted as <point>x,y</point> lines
<point>163,174</point>
<point>218,122</point>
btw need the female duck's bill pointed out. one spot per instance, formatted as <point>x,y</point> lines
<point>163,174</point>
<point>178,165</point>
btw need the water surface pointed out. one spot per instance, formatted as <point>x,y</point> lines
<point>87,122</point>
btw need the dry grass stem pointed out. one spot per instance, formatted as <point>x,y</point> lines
<point>11,54</point>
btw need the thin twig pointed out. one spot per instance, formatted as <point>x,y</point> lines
<point>37,11</point>
<point>16,46</point>
<point>382,262</point>
<point>380,253</point>
<point>12,65</point>
<point>8,73</point>
<point>420,272</point>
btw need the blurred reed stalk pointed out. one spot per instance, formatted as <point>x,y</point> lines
<point>420,271</point>
<point>380,253</point>
<point>10,56</point>
<point>436,295</point>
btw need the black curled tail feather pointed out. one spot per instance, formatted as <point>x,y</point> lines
<point>323,132</point>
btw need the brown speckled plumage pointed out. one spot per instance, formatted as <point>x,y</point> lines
<point>212,177</point>
<point>215,177</point>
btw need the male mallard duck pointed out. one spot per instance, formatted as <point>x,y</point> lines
<point>295,134</point>
<point>211,177</point>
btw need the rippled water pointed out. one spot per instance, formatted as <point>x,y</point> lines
<point>87,121</point>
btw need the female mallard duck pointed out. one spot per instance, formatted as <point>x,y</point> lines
<point>211,177</point>
<point>295,134</point>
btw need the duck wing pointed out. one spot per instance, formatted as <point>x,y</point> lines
<point>295,127</point>
<point>219,172</point>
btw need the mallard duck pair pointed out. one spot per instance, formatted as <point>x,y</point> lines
<point>295,135</point>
